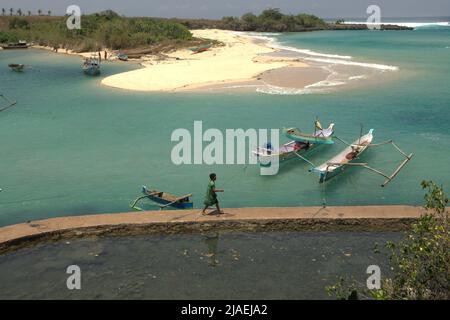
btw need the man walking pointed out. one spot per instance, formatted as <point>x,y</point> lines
<point>211,194</point>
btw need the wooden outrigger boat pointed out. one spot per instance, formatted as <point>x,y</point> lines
<point>320,136</point>
<point>163,199</point>
<point>337,164</point>
<point>201,48</point>
<point>286,152</point>
<point>16,67</point>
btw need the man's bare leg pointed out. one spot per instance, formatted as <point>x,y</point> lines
<point>204,209</point>
<point>218,208</point>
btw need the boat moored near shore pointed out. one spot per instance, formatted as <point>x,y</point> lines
<point>18,45</point>
<point>91,66</point>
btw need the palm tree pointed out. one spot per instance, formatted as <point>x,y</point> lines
<point>3,11</point>
<point>19,12</point>
<point>39,11</point>
<point>11,10</point>
<point>49,12</point>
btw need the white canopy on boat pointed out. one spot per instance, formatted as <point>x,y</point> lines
<point>325,132</point>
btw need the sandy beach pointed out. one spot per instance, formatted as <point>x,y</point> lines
<point>237,62</point>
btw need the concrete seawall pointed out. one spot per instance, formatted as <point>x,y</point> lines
<point>350,218</point>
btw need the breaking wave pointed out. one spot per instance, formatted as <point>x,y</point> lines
<point>414,25</point>
<point>324,60</point>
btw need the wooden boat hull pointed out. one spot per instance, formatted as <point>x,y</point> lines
<point>92,71</point>
<point>318,138</point>
<point>13,47</point>
<point>200,48</point>
<point>337,164</point>
<point>164,201</point>
<point>16,67</point>
<point>283,154</point>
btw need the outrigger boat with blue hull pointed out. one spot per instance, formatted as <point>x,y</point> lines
<point>320,135</point>
<point>337,164</point>
<point>163,199</point>
<point>303,143</point>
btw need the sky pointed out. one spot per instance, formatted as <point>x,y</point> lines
<point>219,8</point>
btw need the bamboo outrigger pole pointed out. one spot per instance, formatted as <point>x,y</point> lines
<point>394,174</point>
<point>11,103</point>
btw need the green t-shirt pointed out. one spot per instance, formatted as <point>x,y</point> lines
<point>211,197</point>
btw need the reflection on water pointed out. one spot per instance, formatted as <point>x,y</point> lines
<point>276,265</point>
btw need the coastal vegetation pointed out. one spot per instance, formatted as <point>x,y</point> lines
<point>108,29</point>
<point>420,263</point>
<point>269,20</point>
<point>101,30</point>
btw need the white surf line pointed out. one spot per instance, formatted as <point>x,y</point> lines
<point>272,42</point>
<point>404,24</point>
<point>317,56</point>
<point>354,63</point>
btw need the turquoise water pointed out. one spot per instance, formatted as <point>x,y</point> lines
<point>71,146</point>
<point>278,265</point>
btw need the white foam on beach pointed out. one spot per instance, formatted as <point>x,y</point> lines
<point>310,52</point>
<point>354,63</point>
<point>325,60</point>
<point>286,91</point>
<point>405,24</point>
<point>272,42</point>
<point>358,77</point>
<point>318,57</point>
<point>326,83</point>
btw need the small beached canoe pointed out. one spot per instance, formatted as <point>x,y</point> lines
<point>164,199</point>
<point>16,67</point>
<point>122,57</point>
<point>287,151</point>
<point>320,136</point>
<point>337,164</point>
<point>201,48</point>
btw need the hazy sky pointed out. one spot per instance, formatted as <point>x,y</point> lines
<point>220,8</point>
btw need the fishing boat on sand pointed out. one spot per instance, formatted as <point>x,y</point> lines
<point>163,199</point>
<point>320,135</point>
<point>201,48</point>
<point>288,151</point>
<point>91,66</point>
<point>19,45</point>
<point>122,56</point>
<point>337,164</point>
<point>16,67</point>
